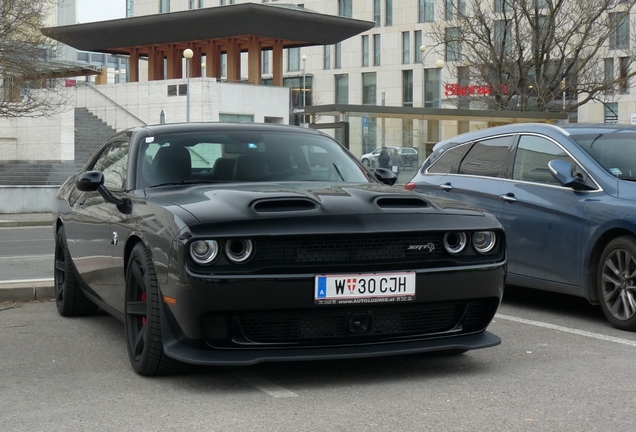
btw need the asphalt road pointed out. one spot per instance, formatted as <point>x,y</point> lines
<point>26,253</point>
<point>560,367</point>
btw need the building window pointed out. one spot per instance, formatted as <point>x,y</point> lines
<point>611,112</point>
<point>453,44</point>
<point>326,57</point>
<point>463,79</point>
<point>619,39</point>
<point>407,88</point>
<point>224,65</point>
<point>227,2</point>
<point>345,8</point>
<point>502,36</point>
<point>266,62</point>
<point>338,54</point>
<point>191,4</point>
<point>388,17</point>
<point>164,6</point>
<point>201,3</point>
<point>369,89</point>
<point>609,75</point>
<point>377,12</point>
<point>293,59</point>
<point>623,70</point>
<point>426,10</point>
<point>130,8</point>
<point>432,88</point>
<point>506,5</point>
<point>342,89</point>
<point>406,47</point>
<point>417,43</point>
<point>377,50</point>
<point>365,51</point>
<point>454,8</point>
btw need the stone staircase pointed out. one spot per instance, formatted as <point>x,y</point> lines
<point>90,132</point>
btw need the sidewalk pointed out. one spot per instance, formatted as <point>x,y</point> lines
<point>21,290</point>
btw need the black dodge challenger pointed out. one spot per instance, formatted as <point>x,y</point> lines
<point>222,244</point>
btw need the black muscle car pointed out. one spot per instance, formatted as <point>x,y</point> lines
<point>222,244</point>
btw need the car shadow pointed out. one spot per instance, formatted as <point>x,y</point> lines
<point>534,300</point>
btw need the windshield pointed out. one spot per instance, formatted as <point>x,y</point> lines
<point>616,152</point>
<point>244,156</point>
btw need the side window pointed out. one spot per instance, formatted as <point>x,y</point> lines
<point>533,155</point>
<point>448,162</point>
<point>488,158</point>
<point>113,162</point>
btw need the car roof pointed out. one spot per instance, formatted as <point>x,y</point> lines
<point>159,129</point>
<point>546,128</point>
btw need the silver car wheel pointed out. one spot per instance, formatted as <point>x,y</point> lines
<point>617,284</point>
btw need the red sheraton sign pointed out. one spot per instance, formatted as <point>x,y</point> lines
<point>470,90</point>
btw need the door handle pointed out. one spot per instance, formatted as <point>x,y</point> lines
<point>509,197</point>
<point>446,187</point>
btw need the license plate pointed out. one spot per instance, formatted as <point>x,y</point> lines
<point>365,288</point>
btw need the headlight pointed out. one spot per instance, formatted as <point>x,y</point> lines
<point>455,242</point>
<point>239,251</point>
<point>484,241</point>
<point>204,251</point>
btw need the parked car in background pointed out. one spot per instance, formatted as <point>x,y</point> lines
<point>222,244</point>
<point>409,155</point>
<point>566,196</point>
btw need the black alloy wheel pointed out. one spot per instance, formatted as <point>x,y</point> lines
<point>617,282</point>
<point>69,298</point>
<point>142,317</point>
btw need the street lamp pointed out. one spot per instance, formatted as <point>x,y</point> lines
<point>116,76</point>
<point>188,53</point>
<point>304,59</point>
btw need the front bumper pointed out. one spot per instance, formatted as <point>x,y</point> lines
<point>474,292</point>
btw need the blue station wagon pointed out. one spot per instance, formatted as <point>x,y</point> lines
<point>566,197</point>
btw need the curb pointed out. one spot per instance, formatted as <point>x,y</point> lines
<point>10,223</point>
<point>24,290</point>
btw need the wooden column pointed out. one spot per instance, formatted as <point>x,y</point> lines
<point>133,65</point>
<point>195,63</point>
<point>254,61</point>
<point>175,62</point>
<point>155,64</point>
<point>212,60</point>
<point>277,63</point>
<point>234,61</point>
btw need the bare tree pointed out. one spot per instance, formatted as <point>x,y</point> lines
<point>541,55</point>
<point>25,67</point>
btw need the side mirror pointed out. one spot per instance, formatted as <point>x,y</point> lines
<point>563,172</point>
<point>89,181</point>
<point>386,176</point>
<point>93,181</point>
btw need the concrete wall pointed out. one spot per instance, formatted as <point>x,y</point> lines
<point>26,199</point>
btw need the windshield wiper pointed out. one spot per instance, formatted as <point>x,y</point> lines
<point>185,182</point>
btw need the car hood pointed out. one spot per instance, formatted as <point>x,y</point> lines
<point>312,206</point>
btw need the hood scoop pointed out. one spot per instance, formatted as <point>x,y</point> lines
<point>283,205</point>
<point>403,202</point>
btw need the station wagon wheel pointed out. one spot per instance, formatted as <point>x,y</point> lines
<point>69,298</point>
<point>142,319</point>
<point>617,282</point>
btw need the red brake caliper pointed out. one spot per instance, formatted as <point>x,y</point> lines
<point>144,318</point>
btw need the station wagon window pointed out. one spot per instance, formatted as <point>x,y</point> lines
<point>488,157</point>
<point>532,158</point>
<point>448,162</point>
<point>112,162</point>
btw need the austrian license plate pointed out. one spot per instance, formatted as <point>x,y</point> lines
<point>365,288</point>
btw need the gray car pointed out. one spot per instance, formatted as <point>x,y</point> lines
<point>566,196</point>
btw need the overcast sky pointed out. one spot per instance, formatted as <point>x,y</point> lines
<point>100,10</point>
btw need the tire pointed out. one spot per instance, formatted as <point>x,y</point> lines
<point>69,298</point>
<point>142,317</point>
<point>616,282</point>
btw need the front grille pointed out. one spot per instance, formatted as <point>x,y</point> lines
<point>344,249</point>
<point>316,326</point>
